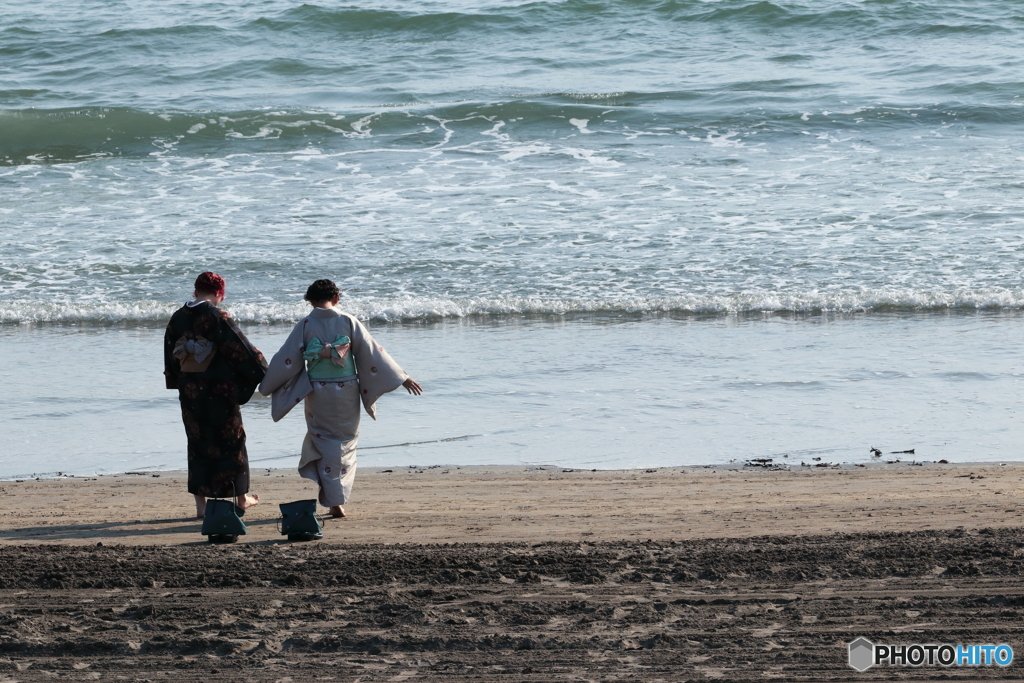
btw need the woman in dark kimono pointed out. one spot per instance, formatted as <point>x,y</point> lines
<point>215,370</point>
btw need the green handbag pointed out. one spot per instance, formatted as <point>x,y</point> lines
<point>299,521</point>
<point>222,521</point>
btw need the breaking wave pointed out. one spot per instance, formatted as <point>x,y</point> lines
<point>438,309</point>
<point>77,134</point>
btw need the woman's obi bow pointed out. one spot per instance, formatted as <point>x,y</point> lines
<point>194,355</point>
<point>337,351</point>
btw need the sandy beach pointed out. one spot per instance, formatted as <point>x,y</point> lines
<point>516,574</point>
<point>538,504</point>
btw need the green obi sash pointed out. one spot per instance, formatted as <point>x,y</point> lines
<point>329,361</point>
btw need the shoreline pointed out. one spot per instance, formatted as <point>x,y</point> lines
<point>745,466</point>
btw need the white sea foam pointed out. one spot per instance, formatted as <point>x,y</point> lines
<point>438,308</point>
<point>589,156</point>
<point>581,124</point>
<point>523,151</point>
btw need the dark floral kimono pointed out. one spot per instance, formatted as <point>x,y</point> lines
<point>215,370</point>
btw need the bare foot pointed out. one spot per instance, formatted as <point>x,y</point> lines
<point>247,500</point>
<point>200,506</point>
<point>338,511</point>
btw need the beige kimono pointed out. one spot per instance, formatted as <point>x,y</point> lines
<point>332,405</point>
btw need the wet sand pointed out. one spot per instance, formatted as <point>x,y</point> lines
<point>516,574</point>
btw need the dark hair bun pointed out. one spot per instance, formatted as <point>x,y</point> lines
<point>322,290</point>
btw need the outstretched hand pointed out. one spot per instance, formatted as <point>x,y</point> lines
<point>412,386</point>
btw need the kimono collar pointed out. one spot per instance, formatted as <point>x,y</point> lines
<point>325,313</point>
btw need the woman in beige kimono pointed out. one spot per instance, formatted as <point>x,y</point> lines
<point>331,361</point>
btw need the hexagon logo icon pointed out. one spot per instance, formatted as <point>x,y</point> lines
<point>862,654</point>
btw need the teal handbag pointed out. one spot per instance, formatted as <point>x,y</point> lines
<point>222,521</point>
<point>300,522</point>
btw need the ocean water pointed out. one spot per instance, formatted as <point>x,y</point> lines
<point>615,233</point>
<point>595,393</point>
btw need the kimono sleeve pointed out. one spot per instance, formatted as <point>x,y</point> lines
<point>378,372</point>
<point>247,362</point>
<point>286,378</point>
<point>172,368</point>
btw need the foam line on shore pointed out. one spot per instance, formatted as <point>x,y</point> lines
<point>411,309</point>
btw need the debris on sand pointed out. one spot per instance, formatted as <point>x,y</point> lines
<point>766,463</point>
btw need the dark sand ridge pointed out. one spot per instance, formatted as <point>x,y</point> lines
<point>749,575</point>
